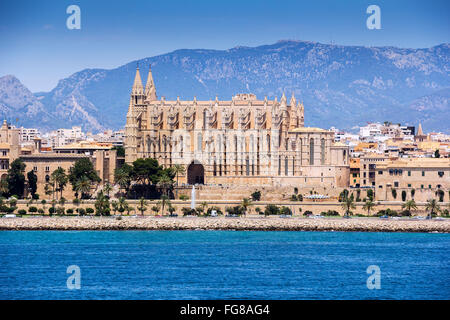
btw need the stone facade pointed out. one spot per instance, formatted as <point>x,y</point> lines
<point>242,141</point>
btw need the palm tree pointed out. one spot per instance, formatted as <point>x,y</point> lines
<point>165,183</point>
<point>246,202</point>
<point>178,169</point>
<point>115,206</point>
<point>204,207</point>
<point>164,201</point>
<point>83,186</point>
<point>59,179</point>
<point>369,205</point>
<point>107,188</point>
<point>348,205</point>
<point>122,204</point>
<point>433,206</point>
<point>142,205</point>
<point>4,188</point>
<point>409,205</point>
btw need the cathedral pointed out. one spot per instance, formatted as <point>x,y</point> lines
<point>242,141</point>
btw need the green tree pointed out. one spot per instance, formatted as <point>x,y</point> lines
<point>82,187</point>
<point>369,205</point>
<point>142,205</point>
<point>164,202</point>
<point>107,188</point>
<point>165,183</point>
<point>245,204</point>
<point>4,188</point>
<point>60,179</point>
<point>16,178</point>
<point>83,170</point>
<point>271,209</point>
<point>348,205</point>
<point>409,205</point>
<point>178,170</point>
<point>123,177</point>
<point>433,207</point>
<point>120,151</point>
<point>32,182</point>
<point>256,196</point>
<point>437,154</point>
<point>102,205</point>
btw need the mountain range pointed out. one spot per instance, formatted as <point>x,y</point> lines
<point>341,86</point>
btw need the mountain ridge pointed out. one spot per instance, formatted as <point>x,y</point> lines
<point>341,86</point>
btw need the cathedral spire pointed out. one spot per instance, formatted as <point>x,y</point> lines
<point>419,130</point>
<point>150,90</point>
<point>293,102</point>
<point>137,85</point>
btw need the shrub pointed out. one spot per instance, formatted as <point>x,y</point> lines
<point>22,211</point>
<point>387,212</point>
<point>32,209</point>
<point>405,213</point>
<point>271,209</point>
<point>293,197</point>
<point>236,210</point>
<point>258,210</point>
<point>188,211</point>
<point>41,211</point>
<point>89,210</point>
<point>70,211</point>
<point>81,211</point>
<point>256,196</point>
<point>60,210</point>
<point>299,197</point>
<point>307,213</point>
<point>43,201</point>
<point>51,210</point>
<point>330,213</point>
<point>286,211</point>
<point>218,211</point>
<point>35,196</point>
<point>184,197</point>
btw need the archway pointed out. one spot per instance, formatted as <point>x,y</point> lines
<point>196,173</point>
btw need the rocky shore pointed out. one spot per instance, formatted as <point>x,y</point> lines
<point>224,223</point>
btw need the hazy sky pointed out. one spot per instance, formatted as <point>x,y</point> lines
<point>37,47</point>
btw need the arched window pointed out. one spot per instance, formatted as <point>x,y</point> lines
<point>181,146</point>
<point>215,169</point>
<point>268,143</point>
<point>247,166</point>
<point>311,152</point>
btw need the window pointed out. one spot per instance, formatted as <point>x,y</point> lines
<point>380,172</point>
<point>396,184</point>
<point>380,186</point>
<point>429,186</point>
<point>47,169</point>
<point>409,185</point>
<point>311,152</point>
<point>421,186</point>
<point>322,151</point>
<point>440,174</point>
<point>423,173</point>
<point>409,173</point>
<point>34,168</point>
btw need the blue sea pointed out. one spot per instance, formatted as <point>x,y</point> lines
<point>223,265</point>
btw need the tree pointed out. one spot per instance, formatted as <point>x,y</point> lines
<point>433,207</point>
<point>32,182</point>
<point>83,170</point>
<point>369,205</point>
<point>178,170</point>
<point>171,209</point>
<point>60,179</point>
<point>256,196</point>
<point>245,204</point>
<point>348,205</point>
<point>142,205</point>
<point>115,206</point>
<point>122,176</point>
<point>107,188</point>
<point>164,201</point>
<point>204,206</point>
<point>102,205</point>
<point>146,171</point>
<point>271,209</point>
<point>4,188</point>
<point>409,205</point>
<point>437,154</point>
<point>82,187</point>
<point>165,183</point>
<point>120,151</point>
<point>16,178</point>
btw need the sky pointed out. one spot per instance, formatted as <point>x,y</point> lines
<point>37,47</point>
